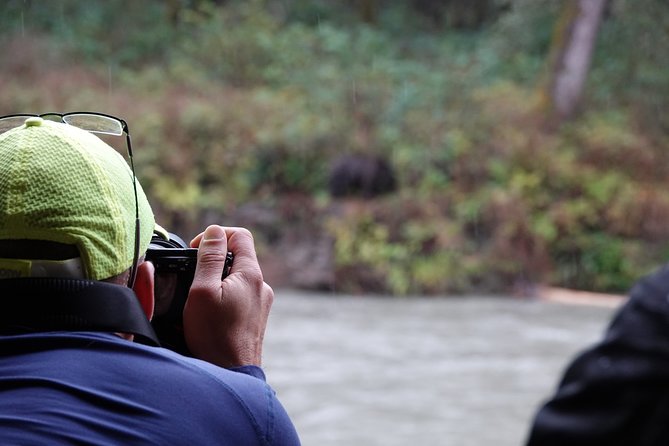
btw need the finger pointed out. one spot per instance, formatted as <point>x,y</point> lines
<point>196,241</point>
<point>212,248</point>
<point>241,244</point>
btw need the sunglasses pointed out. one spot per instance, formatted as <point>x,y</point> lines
<point>97,123</point>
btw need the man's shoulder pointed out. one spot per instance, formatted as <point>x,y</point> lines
<point>218,390</point>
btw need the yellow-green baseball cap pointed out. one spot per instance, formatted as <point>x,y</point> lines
<point>62,184</point>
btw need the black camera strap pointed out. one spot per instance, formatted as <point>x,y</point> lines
<point>57,304</point>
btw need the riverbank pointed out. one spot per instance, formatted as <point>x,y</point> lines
<point>575,297</point>
<point>298,249</point>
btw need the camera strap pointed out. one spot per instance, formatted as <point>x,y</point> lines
<point>60,304</point>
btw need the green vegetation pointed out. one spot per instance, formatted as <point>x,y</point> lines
<point>248,101</point>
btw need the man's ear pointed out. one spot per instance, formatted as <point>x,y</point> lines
<point>144,287</point>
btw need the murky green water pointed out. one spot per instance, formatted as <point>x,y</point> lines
<point>456,371</point>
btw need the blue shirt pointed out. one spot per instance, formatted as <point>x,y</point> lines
<point>96,388</point>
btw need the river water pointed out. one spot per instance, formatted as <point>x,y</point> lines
<point>466,371</point>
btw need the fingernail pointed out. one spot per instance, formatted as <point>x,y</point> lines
<point>214,232</point>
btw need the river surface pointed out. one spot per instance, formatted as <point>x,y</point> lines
<point>452,371</point>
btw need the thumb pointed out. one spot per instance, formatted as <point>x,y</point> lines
<point>213,248</point>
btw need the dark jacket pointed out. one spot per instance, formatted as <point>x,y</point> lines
<point>617,392</point>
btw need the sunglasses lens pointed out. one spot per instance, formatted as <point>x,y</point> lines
<point>95,123</point>
<point>11,122</point>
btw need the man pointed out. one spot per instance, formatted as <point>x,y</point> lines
<point>617,391</point>
<point>73,225</point>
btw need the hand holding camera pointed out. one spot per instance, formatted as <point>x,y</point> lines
<point>226,309</point>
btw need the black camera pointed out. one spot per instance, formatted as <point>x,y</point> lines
<point>174,263</point>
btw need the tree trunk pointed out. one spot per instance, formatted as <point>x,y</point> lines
<point>573,44</point>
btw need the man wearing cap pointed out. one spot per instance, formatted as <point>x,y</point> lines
<point>75,293</point>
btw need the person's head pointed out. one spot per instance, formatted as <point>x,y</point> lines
<point>68,206</point>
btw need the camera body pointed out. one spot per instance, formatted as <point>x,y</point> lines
<point>174,263</point>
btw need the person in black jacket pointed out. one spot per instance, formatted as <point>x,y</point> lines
<point>617,392</point>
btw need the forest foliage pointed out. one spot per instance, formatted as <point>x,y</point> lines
<point>232,103</point>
